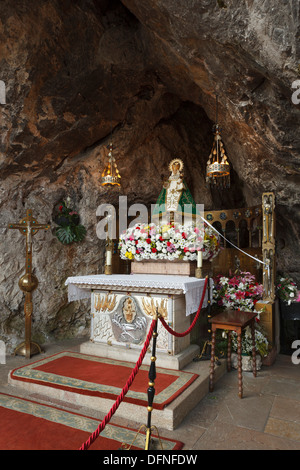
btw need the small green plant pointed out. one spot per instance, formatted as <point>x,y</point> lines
<point>69,229</point>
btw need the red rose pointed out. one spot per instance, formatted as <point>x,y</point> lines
<point>148,240</point>
<point>154,250</point>
<point>168,243</point>
<point>185,249</point>
<point>161,238</point>
<point>136,242</point>
<point>60,208</point>
<point>183,235</point>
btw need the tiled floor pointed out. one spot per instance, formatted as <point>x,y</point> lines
<point>267,418</point>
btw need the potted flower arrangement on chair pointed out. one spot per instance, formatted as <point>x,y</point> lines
<point>242,292</point>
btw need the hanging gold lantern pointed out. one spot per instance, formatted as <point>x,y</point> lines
<point>218,168</point>
<point>110,174</point>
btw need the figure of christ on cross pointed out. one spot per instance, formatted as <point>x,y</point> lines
<point>28,282</point>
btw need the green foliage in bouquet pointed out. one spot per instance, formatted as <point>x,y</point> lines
<point>69,229</point>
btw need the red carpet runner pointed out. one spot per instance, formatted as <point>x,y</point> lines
<point>96,376</point>
<point>28,425</point>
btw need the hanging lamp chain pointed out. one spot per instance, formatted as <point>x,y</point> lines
<point>111,175</point>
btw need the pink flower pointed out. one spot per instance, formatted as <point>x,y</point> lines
<point>240,295</point>
<point>170,247</point>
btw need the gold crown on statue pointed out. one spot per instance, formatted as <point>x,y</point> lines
<point>176,161</point>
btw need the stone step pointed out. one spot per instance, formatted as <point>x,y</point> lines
<point>168,418</point>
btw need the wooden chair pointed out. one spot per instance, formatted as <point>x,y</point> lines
<point>232,320</point>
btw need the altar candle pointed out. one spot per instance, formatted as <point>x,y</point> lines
<point>199,259</point>
<point>108,258</point>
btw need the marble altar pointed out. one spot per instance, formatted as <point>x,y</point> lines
<point>122,307</point>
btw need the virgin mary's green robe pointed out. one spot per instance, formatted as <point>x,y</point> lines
<point>186,206</point>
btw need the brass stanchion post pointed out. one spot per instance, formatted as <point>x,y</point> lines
<point>206,350</point>
<point>150,392</point>
<point>151,389</point>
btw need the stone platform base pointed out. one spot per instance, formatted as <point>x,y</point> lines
<point>175,362</point>
<point>169,418</point>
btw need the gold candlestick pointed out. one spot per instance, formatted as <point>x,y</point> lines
<point>28,282</point>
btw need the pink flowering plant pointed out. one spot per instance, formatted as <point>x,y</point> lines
<point>168,242</point>
<point>242,292</point>
<point>287,290</point>
<point>239,292</point>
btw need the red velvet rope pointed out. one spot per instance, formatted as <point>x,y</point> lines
<point>125,389</point>
<point>194,321</point>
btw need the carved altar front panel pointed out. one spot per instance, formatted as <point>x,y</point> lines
<point>123,319</point>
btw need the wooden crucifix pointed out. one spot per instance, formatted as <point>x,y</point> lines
<point>28,282</point>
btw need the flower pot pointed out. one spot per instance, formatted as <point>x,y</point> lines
<point>247,363</point>
<point>62,220</point>
<point>289,325</point>
<point>290,312</point>
<point>176,267</point>
<point>66,221</point>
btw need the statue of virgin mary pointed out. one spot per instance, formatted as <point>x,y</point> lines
<point>175,202</point>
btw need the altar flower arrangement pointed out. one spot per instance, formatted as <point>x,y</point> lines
<point>69,229</point>
<point>287,290</point>
<point>239,292</point>
<point>168,242</point>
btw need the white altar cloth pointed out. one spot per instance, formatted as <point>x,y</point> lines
<point>79,287</point>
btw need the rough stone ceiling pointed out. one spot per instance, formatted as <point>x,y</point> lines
<point>61,61</point>
<point>150,69</point>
